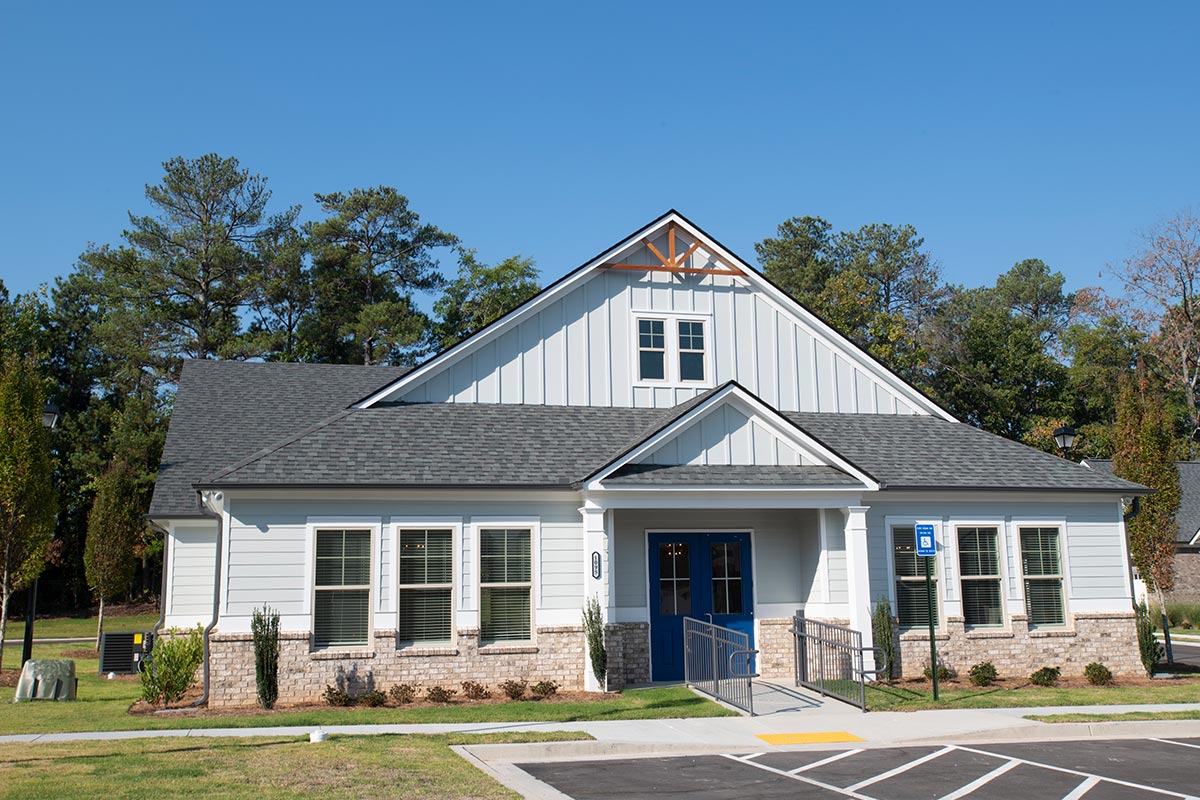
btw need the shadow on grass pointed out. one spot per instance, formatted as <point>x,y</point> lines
<point>208,747</point>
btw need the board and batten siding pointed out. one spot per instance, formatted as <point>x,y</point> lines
<point>727,436</point>
<point>191,575</point>
<point>269,562</point>
<point>581,349</point>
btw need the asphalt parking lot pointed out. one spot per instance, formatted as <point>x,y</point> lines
<point>1129,769</point>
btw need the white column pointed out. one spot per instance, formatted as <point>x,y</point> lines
<point>595,541</point>
<point>858,574</point>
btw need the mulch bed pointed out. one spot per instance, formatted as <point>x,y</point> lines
<point>1065,682</point>
<point>143,708</point>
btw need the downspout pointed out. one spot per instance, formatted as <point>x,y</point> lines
<point>162,603</point>
<point>216,593</point>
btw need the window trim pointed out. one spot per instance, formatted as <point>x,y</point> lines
<point>939,578</point>
<point>455,525</point>
<point>703,351</point>
<point>671,374</point>
<point>534,526</point>
<point>1064,565</point>
<point>1001,574</point>
<point>638,350</point>
<point>314,524</point>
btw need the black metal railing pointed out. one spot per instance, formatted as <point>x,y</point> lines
<point>719,662</point>
<point>829,660</point>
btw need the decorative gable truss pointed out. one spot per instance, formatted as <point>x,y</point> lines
<point>670,297</point>
<point>732,428</point>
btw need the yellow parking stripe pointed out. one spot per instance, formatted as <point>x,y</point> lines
<point>818,737</point>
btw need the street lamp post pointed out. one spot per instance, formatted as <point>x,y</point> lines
<point>49,421</point>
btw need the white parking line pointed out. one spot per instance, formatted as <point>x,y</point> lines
<point>982,780</point>
<point>1082,789</point>
<point>1117,781</point>
<point>802,778</point>
<point>1181,744</point>
<point>883,776</point>
<point>823,762</point>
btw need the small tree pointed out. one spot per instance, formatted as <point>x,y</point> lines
<point>883,628</point>
<point>114,524</point>
<point>264,626</point>
<point>27,499</point>
<point>593,629</point>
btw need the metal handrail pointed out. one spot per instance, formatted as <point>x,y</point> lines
<point>734,655</point>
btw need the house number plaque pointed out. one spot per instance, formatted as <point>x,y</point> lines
<point>596,565</point>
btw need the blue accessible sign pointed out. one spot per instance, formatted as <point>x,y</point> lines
<point>925,543</point>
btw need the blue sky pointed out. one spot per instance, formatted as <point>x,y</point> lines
<point>1001,131</point>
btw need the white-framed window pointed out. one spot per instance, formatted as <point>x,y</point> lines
<point>652,350</point>
<point>1041,566</point>
<point>342,587</point>
<point>691,350</point>
<point>912,600</point>
<point>979,576</point>
<point>425,594</point>
<point>505,584</point>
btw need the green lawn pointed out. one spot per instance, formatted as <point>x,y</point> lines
<point>103,705</point>
<point>916,697</point>
<point>413,767</point>
<point>1128,716</point>
<point>76,627</point>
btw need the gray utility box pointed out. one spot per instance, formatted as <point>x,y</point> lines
<point>121,652</point>
<point>46,680</point>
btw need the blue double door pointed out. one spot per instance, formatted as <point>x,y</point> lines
<point>702,575</point>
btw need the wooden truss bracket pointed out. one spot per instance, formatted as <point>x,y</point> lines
<point>673,262</point>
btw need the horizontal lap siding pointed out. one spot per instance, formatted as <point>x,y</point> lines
<point>192,572</point>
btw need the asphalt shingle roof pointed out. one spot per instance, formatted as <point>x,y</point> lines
<point>1188,515</point>
<point>255,424</point>
<point>725,475</point>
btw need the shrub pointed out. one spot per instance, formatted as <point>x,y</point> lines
<point>544,688</point>
<point>475,691</point>
<point>514,690</point>
<point>1046,676</point>
<point>337,697</point>
<point>1151,650</point>
<point>264,626</point>
<point>1097,674</point>
<point>943,672</point>
<point>170,668</point>
<point>983,674</point>
<point>593,630</point>
<point>440,694</point>
<point>402,693</point>
<point>885,641</point>
<point>373,699</point>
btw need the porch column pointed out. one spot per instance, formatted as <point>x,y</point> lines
<point>595,541</point>
<point>858,575</point>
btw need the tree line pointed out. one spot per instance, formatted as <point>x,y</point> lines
<point>213,271</point>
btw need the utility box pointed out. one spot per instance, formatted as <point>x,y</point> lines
<point>46,680</point>
<point>121,652</point>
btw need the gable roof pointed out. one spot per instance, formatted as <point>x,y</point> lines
<point>1188,516</point>
<point>785,304</point>
<point>235,425</point>
<point>226,410</point>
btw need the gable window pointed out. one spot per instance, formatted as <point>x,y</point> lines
<point>652,350</point>
<point>691,351</point>
<point>1042,568</point>
<point>979,568</point>
<point>505,584</point>
<point>342,605</point>
<point>426,584</point>
<point>912,600</point>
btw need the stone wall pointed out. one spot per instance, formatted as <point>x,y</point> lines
<point>776,649</point>
<point>628,647</point>
<point>557,654</point>
<point>1187,576</point>
<point>1110,639</point>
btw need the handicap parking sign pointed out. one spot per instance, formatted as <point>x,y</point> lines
<point>925,544</point>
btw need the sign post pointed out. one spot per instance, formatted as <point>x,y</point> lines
<point>927,549</point>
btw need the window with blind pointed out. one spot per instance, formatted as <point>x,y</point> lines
<point>912,601</point>
<point>1042,567</point>
<point>505,585</point>
<point>979,573</point>
<point>426,567</point>
<point>342,602</point>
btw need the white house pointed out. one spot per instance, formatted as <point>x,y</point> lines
<point>662,429</point>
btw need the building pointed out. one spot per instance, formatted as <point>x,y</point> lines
<point>662,429</point>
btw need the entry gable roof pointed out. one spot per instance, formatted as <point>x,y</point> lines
<point>738,268</point>
<point>815,457</point>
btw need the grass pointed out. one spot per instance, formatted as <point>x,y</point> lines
<point>413,767</point>
<point>76,627</point>
<point>1128,716</point>
<point>103,706</point>
<point>918,697</point>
